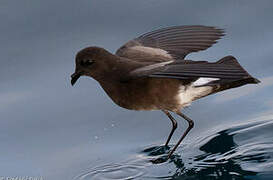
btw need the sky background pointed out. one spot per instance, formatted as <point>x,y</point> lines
<point>49,128</point>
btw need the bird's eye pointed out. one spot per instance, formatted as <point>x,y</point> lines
<point>87,62</point>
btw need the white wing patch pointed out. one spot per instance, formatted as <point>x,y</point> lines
<point>203,81</point>
<point>152,51</point>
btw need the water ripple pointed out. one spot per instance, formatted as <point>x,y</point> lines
<point>239,152</point>
<point>113,172</point>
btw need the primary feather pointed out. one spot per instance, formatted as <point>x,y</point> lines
<point>170,43</point>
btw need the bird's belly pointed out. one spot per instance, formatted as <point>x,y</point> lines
<point>156,93</point>
<point>147,94</point>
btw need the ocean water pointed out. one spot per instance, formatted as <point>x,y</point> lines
<point>244,151</point>
<point>52,130</point>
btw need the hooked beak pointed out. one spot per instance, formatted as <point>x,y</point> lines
<point>74,77</point>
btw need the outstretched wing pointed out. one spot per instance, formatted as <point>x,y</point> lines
<point>170,43</point>
<point>223,71</point>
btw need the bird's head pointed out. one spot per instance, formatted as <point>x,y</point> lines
<point>91,61</point>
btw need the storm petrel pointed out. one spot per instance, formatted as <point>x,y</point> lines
<point>150,72</point>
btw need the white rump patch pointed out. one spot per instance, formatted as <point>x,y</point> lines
<point>187,94</point>
<point>203,81</point>
<point>152,51</point>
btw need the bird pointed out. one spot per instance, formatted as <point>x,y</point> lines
<point>150,72</point>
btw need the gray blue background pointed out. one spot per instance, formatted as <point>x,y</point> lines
<point>50,129</point>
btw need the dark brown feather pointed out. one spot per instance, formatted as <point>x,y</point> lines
<point>177,41</point>
<point>226,70</point>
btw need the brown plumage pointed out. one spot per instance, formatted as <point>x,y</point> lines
<point>150,73</point>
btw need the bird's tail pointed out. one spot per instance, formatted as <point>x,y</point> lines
<point>232,62</point>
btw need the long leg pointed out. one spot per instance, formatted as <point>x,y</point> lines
<point>174,123</point>
<point>191,124</point>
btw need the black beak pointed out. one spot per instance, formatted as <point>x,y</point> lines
<point>75,77</point>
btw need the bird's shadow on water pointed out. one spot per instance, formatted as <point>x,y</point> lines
<point>217,156</point>
<point>207,165</point>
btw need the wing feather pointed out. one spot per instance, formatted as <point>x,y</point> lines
<point>177,42</point>
<point>203,69</point>
<point>225,70</point>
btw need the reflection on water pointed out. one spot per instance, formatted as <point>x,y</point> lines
<point>211,165</point>
<point>241,152</point>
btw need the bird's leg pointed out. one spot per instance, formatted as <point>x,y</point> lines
<point>191,124</point>
<point>174,126</point>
